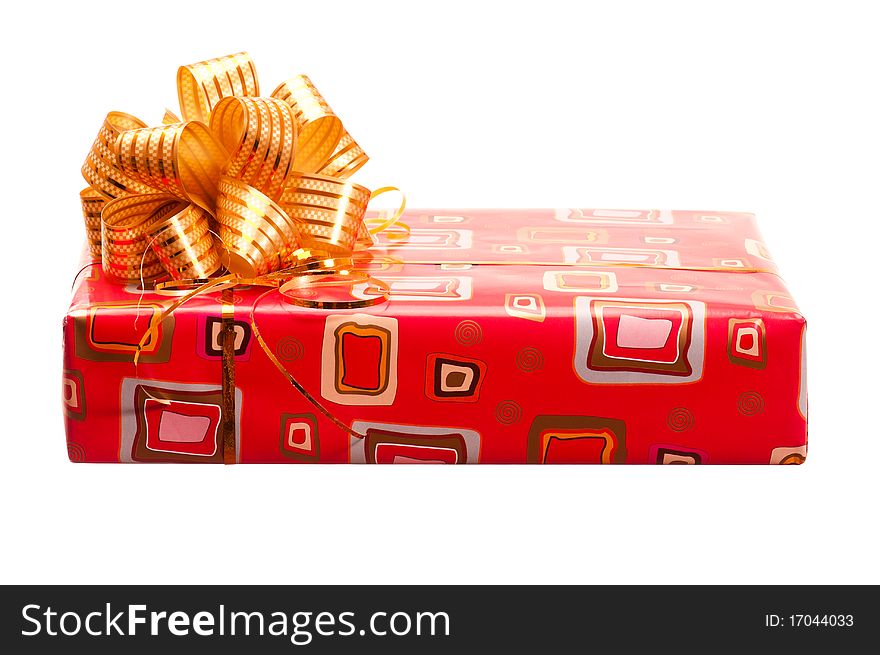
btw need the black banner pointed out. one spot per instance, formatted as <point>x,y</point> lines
<point>325,619</point>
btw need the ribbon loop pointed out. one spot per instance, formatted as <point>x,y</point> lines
<point>202,85</point>
<point>320,128</point>
<point>184,244</point>
<point>182,159</point>
<point>259,235</point>
<point>92,206</point>
<point>330,211</point>
<point>346,160</point>
<point>260,136</point>
<point>101,168</point>
<point>125,246</point>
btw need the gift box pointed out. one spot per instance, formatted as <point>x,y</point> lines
<point>484,336</point>
<point>242,305</point>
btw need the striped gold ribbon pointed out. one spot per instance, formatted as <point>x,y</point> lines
<point>246,183</point>
<point>330,211</point>
<point>101,169</point>
<point>201,86</point>
<point>92,206</point>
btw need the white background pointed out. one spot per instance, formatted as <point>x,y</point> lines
<point>769,107</point>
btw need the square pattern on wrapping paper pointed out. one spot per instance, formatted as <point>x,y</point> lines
<point>173,422</point>
<point>359,359</point>
<point>673,454</point>
<point>747,342</point>
<point>788,455</point>
<point>428,239</point>
<point>616,256</point>
<point>580,281</point>
<point>73,394</point>
<point>392,443</point>
<point>615,216</point>
<point>299,437</point>
<point>112,331</point>
<point>418,288</point>
<point>453,378</point>
<point>556,439</point>
<point>638,341</point>
<point>569,234</point>
<point>209,345</point>
<point>529,306</point>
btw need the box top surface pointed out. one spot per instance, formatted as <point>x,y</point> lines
<point>486,257</point>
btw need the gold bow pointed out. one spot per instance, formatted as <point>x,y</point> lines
<point>258,186</point>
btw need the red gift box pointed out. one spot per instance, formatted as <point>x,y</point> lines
<point>510,336</point>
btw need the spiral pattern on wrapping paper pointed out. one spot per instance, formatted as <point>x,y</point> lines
<point>468,333</point>
<point>75,452</point>
<point>289,349</point>
<point>236,300</point>
<point>529,359</point>
<point>508,412</point>
<point>680,419</point>
<point>750,403</point>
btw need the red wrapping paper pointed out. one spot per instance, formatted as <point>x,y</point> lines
<point>511,336</point>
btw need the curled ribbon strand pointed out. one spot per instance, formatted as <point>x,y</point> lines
<point>381,224</point>
<point>296,384</point>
